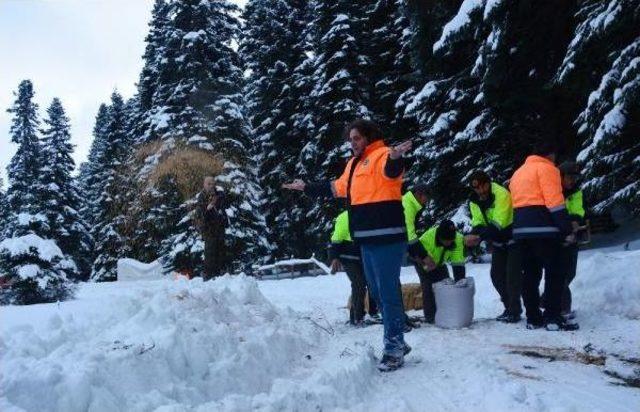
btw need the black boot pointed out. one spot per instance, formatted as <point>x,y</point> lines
<point>390,363</point>
<point>561,323</point>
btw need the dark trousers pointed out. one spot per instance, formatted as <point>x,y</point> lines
<point>214,248</point>
<point>359,288</point>
<point>506,276</point>
<point>427,279</point>
<point>569,263</point>
<point>534,256</point>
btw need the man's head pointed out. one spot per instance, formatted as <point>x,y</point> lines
<point>421,193</point>
<point>546,148</point>
<point>209,184</point>
<point>446,233</point>
<point>360,133</point>
<point>569,172</point>
<point>481,184</point>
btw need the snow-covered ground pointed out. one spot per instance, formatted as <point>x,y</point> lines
<point>238,344</point>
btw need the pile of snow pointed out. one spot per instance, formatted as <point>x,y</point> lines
<point>609,283</point>
<point>133,270</point>
<point>177,345</point>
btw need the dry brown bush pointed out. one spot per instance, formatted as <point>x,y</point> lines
<point>189,166</point>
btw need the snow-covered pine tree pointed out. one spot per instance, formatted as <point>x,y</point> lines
<point>148,80</point>
<point>159,214</point>
<point>602,68</point>
<point>340,95</point>
<point>61,199</point>
<point>390,72</point>
<point>109,220</point>
<point>88,178</point>
<point>33,266</point>
<point>4,209</point>
<point>488,99</point>
<point>34,270</point>
<point>197,104</point>
<point>273,46</point>
<point>24,168</point>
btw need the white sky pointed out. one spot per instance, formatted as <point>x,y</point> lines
<point>77,50</point>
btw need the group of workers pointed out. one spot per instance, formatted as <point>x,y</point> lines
<point>530,229</point>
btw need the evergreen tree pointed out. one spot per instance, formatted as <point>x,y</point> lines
<point>273,46</point>
<point>148,81</point>
<point>601,69</point>
<point>34,267</point>
<point>109,220</point>
<point>4,210</point>
<point>387,28</point>
<point>196,103</point>
<point>89,178</point>
<point>25,166</point>
<point>61,199</point>
<point>197,66</point>
<point>158,215</point>
<point>340,95</point>
<point>488,95</point>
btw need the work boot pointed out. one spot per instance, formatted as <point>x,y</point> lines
<point>503,316</point>
<point>406,349</point>
<point>390,363</point>
<point>534,324</point>
<point>560,323</point>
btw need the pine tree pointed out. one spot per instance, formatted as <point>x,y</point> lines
<point>148,81</point>
<point>34,267</point>
<point>24,168</point>
<point>601,69</point>
<point>109,221</point>
<point>390,72</point>
<point>4,210</point>
<point>340,95</point>
<point>273,46</point>
<point>197,66</point>
<point>89,182</point>
<point>196,104</point>
<point>159,214</point>
<point>62,199</point>
<point>487,97</point>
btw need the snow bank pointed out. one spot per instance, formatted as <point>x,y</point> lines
<point>177,346</point>
<point>133,270</point>
<point>609,283</point>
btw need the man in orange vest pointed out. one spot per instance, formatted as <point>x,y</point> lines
<point>372,184</point>
<point>540,225</point>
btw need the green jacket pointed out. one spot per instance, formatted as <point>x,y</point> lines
<point>441,255</point>
<point>412,209</point>
<point>492,219</point>
<point>341,246</point>
<point>575,205</point>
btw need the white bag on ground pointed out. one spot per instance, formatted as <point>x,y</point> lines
<point>454,303</point>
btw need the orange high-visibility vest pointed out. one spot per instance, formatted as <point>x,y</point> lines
<point>375,200</point>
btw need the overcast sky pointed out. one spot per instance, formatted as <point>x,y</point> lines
<point>77,50</point>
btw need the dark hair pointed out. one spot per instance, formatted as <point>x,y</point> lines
<point>421,189</point>
<point>369,129</point>
<point>545,147</point>
<point>569,168</point>
<point>480,177</point>
<point>446,230</point>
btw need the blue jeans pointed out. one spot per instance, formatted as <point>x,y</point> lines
<point>382,271</point>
